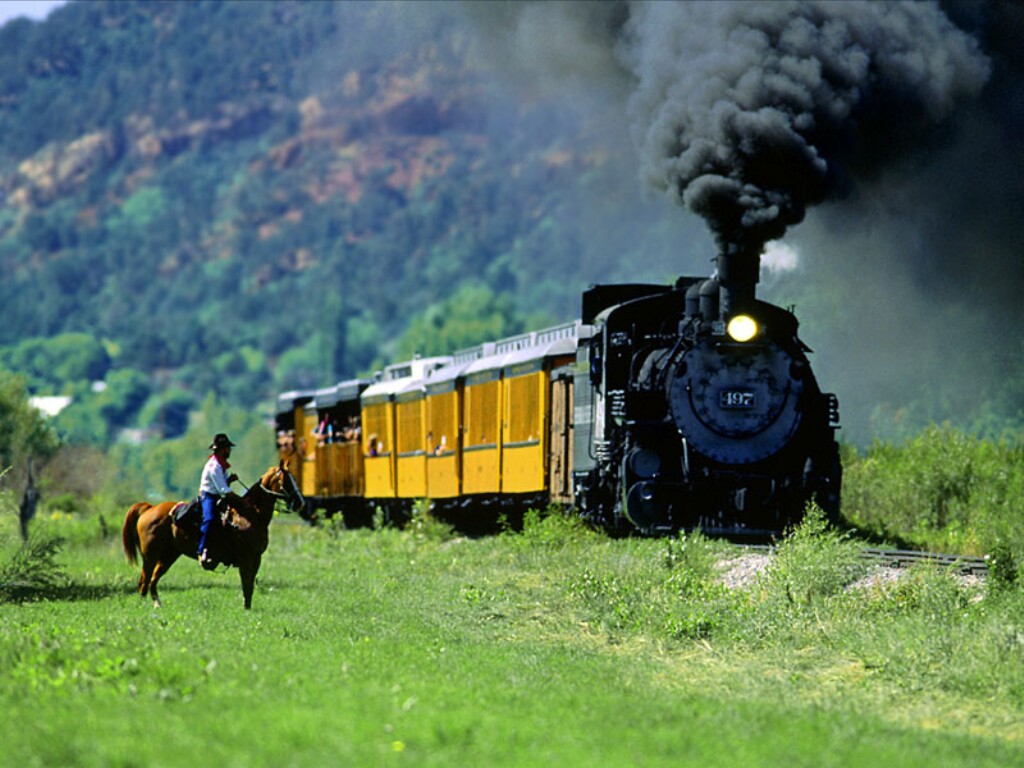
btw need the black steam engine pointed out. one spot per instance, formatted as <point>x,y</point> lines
<point>696,407</point>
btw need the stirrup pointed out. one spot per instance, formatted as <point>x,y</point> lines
<point>206,561</point>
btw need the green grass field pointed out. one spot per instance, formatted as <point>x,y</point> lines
<point>551,646</point>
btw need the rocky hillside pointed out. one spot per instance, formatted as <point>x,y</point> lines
<point>220,199</point>
<point>231,198</point>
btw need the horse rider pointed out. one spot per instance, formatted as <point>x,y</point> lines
<point>214,485</point>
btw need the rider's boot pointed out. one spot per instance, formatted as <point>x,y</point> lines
<point>206,561</point>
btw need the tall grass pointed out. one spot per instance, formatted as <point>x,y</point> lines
<point>553,643</point>
<point>942,490</point>
<point>549,643</point>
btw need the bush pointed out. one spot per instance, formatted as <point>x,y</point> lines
<point>423,525</point>
<point>32,571</point>
<point>814,561</point>
<point>1002,567</point>
<point>67,503</point>
<point>942,490</point>
<point>553,528</point>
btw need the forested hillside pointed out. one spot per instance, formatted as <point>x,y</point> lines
<point>237,197</point>
<point>208,202</point>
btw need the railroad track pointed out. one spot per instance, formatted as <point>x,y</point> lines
<point>894,558</point>
<point>903,558</point>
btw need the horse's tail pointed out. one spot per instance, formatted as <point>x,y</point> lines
<point>130,531</point>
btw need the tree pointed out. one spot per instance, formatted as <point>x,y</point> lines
<point>126,392</point>
<point>473,315</point>
<point>53,364</point>
<point>168,414</point>
<point>82,424</point>
<point>169,469</point>
<point>24,431</point>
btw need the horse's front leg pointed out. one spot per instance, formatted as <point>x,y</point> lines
<point>247,569</point>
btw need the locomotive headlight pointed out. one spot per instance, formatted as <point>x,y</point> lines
<point>742,328</point>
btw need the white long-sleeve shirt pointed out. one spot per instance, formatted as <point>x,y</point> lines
<point>214,479</point>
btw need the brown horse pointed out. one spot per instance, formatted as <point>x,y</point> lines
<point>151,530</point>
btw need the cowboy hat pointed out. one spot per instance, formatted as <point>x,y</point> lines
<point>220,440</point>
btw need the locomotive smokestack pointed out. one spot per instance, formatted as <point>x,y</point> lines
<point>738,274</point>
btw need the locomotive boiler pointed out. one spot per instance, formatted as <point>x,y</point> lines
<point>696,407</point>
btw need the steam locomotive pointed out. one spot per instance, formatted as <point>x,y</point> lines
<point>663,408</point>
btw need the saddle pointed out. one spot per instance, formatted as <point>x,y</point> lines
<point>188,514</point>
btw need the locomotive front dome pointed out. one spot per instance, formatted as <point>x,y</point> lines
<point>736,403</point>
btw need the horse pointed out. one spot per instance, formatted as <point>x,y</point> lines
<point>150,529</point>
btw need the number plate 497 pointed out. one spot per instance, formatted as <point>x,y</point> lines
<point>736,398</point>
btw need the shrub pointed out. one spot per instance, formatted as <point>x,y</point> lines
<point>67,503</point>
<point>1002,567</point>
<point>813,562</point>
<point>32,571</point>
<point>552,528</point>
<point>942,489</point>
<point>423,525</point>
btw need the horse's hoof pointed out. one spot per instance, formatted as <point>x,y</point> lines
<point>156,603</point>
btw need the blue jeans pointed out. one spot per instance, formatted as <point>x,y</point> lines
<point>209,502</point>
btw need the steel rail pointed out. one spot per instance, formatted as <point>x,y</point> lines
<point>904,558</point>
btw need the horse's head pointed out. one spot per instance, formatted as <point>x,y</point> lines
<point>279,482</point>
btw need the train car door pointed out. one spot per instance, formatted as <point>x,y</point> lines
<point>410,443</point>
<point>481,438</point>
<point>378,416</point>
<point>525,431</point>
<point>561,436</point>
<point>527,384</point>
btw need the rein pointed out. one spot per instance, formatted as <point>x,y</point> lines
<point>262,487</point>
<point>286,496</point>
<point>275,494</point>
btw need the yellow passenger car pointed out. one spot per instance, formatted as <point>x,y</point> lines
<point>481,428</point>
<point>338,455</point>
<point>380,425</point>
<point>490,425</point>
<point>290,421</point>
<point>444,418</point>
<point>410,441</point>
<point>526,381</point>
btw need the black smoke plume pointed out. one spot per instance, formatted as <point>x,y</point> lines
<point>750,112</point>
<point>902,119</point>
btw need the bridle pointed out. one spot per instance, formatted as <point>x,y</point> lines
<point>293,496</point>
